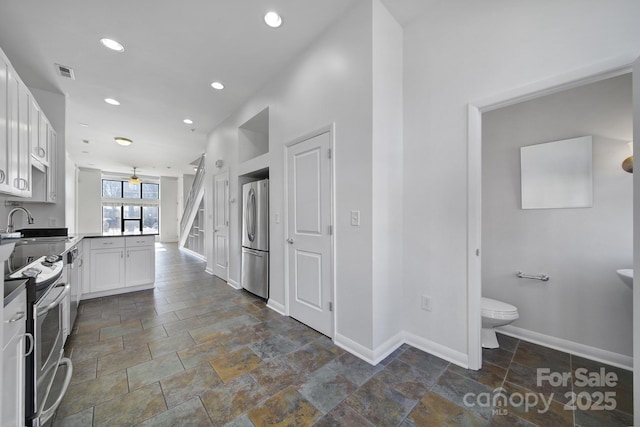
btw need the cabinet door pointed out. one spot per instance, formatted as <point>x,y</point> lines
<point>107,269</point>
<point>38,146</point>
<point>13,362</point>
<point>13,381</point>
<point>52,170</point>
<point>43,136</point>
<point>24,144</point>
<point>12,132</point>
<point>141,269</point>
<point>5,186</point>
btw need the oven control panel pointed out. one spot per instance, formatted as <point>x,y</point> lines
<point>43,269</point>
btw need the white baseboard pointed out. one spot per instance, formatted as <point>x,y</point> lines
<point>234,284</point>
<point>386,348</point>
<point>195,254</point>
<point>277,307</point>
<point>354,348</point>
<point>381,352</point>
<point>209,271</point>
<point>588,352</point>
<point>118,291</point>
<point>443,352</point>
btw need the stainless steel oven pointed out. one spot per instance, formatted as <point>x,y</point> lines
<point>48,372</point>
<point>48,356</point>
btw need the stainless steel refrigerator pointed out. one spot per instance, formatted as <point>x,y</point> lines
<point>255,238</point>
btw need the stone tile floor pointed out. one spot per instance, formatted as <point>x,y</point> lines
<point>195,352</point>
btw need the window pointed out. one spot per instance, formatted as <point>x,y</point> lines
<point>130,208</point>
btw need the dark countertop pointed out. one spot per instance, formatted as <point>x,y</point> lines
<point>123,234</point>
<point>74,240</point>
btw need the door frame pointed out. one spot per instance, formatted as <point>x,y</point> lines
<point>591,74</point>
<point>332,257</point>
<point>224,172</point>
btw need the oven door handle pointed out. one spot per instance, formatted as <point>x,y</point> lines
<point>44,310</point>
<point>45,414</point>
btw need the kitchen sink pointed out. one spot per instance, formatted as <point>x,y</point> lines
<point>38,240</point>
<point>44,232</point>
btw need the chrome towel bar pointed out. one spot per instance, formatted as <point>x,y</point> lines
<point>542,277</point>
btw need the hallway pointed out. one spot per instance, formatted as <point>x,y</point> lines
<point>196,352</point>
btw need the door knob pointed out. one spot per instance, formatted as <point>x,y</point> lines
<point>290,241</point>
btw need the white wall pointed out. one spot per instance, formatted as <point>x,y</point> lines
<point>89,201</point>
<point>462,52</point>
<point>387,283</point>
<point>330,82</point>
<point>168,209</point>
<point>70,183</point>
<point>580,249</point>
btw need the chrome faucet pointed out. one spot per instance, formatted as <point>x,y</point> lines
<point>10,226</point>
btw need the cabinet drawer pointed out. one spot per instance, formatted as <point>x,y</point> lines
<point>14,317</point>
<point>133,241</point>
<point>107,242</point>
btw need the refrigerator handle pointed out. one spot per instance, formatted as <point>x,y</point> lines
<point>251,215</point>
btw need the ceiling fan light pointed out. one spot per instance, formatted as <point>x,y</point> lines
<point>133,179</point>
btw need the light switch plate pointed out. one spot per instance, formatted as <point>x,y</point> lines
<point>355,218</point>
<point>426,303</point>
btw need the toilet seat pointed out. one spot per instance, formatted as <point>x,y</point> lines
<point>497,309</point>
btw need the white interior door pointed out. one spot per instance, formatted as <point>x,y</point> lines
<point>636,240</point>
<point>221,225</point>
<point>309,232</point>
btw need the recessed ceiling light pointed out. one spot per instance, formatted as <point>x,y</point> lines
<point>188,121</point>
<point>112,101</point>
<point>217,85</point>
<point>123,141</point>
<point>84,125</point>
<point>112,44</point>
<point>272,19</point>
<point>84,152</point>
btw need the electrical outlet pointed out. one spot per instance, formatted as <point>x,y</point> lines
<point>426,303</point>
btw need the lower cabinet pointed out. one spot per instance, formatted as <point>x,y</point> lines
<point>13,361</point>
<point>107,269</point>
<point>117,264</point>
<point>140,265</point>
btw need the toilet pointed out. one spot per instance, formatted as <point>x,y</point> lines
<point>495,313</point>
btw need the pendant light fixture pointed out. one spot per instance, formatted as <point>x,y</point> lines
<point>134,178</point>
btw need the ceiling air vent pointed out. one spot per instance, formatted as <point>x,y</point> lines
<point>65,71</point>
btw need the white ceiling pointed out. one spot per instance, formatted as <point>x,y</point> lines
<point>173,51</point>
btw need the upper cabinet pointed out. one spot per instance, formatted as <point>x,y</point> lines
<point>4,129</point>
<point>39,134</point>
<point>27,141</point>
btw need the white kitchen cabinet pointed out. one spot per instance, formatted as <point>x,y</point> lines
<point>52,176</point>
<point>118,265</point>
<point>26,140</point>
<point>13,361</point>
<point>38,131</point>
<point>107,269</point>
<point>5,163</point>
<point>141,260</point>
<point>23,173</point>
